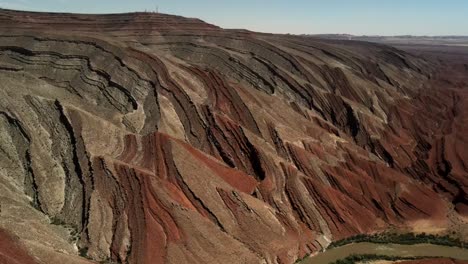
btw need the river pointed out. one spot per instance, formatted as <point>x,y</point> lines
<point>418,250</point>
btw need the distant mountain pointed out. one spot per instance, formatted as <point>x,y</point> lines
<point>403,39</point>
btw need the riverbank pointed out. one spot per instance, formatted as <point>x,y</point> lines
<point>402,239</point>
<point>393,250</point>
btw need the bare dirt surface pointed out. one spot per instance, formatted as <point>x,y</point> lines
<point>152,138</point>
<point>11,252</point>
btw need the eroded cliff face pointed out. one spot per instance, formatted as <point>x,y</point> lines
<point>149,138</point>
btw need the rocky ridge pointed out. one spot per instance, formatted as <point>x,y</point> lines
<point>151,138</point>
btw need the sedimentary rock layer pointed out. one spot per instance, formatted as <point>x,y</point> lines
<point>150,138</point>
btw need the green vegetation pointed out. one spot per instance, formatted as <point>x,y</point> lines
<point>370,257</point>
<point>57,221</point>
<point>107,261</point>
<point>404,239</point>
<point>84,252</point>
<point>301,259</point>
<point>74,234</point>
<point>366,247</point>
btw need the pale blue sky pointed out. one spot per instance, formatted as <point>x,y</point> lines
<point>415,17</point>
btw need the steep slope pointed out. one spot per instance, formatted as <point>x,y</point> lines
<point>150,138</point>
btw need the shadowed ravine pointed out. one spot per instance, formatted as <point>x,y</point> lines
<point>152,138</point>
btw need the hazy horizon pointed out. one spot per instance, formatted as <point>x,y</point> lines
<point>361,17</point>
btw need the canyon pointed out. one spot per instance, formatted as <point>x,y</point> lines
<point>154,138</point>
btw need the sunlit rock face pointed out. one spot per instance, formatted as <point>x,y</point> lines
<point>149,138</point>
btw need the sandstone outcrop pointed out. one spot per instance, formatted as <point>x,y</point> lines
<point>151,138</point>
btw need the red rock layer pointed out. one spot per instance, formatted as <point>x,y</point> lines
<point>173,141</point>
<point>12,252</point>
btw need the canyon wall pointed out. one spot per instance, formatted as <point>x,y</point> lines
<point>151,138</point>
